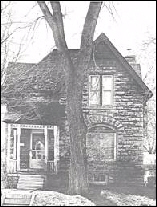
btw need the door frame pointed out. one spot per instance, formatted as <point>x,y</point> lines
<point>31,142</point>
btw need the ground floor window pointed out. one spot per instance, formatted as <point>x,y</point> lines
<point>101,146</point>
<point>100,149</point>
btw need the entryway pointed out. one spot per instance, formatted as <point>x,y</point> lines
<point>32,147</point>
<point>37,151</point>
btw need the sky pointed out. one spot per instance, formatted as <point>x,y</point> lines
<point>132,23</point>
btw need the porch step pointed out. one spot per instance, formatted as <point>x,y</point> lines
<point>19,196</point>
<point>6,204</point>
<point>30,176</point>
<point>34,182</point>
<point>30,182</point>
<point>30,186</point>
<point>17,199</point>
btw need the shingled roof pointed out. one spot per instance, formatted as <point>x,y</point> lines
<point>37,113</point>
<point>48,73</point>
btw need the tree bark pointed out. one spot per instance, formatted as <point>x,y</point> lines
<point>74,80</point>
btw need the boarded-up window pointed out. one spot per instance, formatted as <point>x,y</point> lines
<point>101,146</point>
<point>100,90</point>
<point>106,145</point>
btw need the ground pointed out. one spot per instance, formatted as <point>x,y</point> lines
<point>99,195</point>
<point>51,198</point>
<point>59,183</point>
<point>118,196</point>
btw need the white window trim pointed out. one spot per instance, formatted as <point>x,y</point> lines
<point>112,89</point>
<point>89,81</point>
<point>100,98</point>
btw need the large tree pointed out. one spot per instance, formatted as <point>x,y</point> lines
<point>74,79</point>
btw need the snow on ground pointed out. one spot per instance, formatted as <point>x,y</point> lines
<point>128,200</point>
<point>52,198</point>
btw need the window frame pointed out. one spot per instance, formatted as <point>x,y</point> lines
<point>100,102</point>
<point>31,145</point>
<point>90,90</point>
<point>114,144</point>
<point>111,90</point>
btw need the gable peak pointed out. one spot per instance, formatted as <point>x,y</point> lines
<point>101,37</point>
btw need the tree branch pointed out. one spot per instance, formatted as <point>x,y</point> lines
<point>90,24</point>
<point>55,22</point>
<point>57,18</point>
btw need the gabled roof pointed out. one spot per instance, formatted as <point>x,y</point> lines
<point>124,63</point>
<point>48,71</point>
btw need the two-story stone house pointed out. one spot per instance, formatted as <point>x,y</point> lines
<point>114,98</point>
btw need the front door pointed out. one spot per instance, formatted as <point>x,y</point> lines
<point>37,152</point>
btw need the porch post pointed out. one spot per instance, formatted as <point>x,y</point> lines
<point>18,146</point>
<point>46,144</point>
<point>8,146</point>
<point>14,153</point>
<point>56,147</point>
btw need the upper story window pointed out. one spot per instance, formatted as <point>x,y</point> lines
<point>101,90</point>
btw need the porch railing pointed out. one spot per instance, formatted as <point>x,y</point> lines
<point>52,166</point>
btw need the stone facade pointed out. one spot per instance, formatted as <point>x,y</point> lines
<point>124,118</point>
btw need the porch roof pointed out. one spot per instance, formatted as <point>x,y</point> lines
<point>41,114</point>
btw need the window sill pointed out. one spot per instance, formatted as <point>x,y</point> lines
<point>98,182</point>
<point>101,107</point>
<point>110,161</point>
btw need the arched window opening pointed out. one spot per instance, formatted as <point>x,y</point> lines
<point>100,148</point>
<point>101,143</point>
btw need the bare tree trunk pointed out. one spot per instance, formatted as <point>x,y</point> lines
<point>77,175</point>
<point>75,75</point>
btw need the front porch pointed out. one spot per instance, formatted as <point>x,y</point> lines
<point>32,148</point>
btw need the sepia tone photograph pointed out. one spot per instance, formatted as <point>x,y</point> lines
<point>78,103</point>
